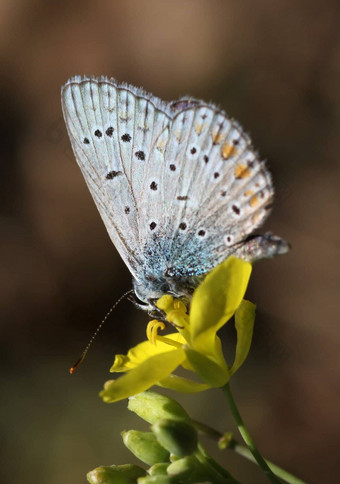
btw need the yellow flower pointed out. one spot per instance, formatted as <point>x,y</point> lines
<point>195,345</point>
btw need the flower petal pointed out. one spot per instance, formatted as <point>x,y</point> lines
<point>244,324</point>
<point>216,300</point>
<point>141,352</point>
<point>143,376</point>
<point>209,371</point>
<point>183,385</point>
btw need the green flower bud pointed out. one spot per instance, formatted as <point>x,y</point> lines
<point>186,467</point>
<point>151,406</point>
<point>179,438</point>
<point>157,480</point>
<point>123,474</point>
<point>226,441</point>
<point>159,469</point>
<point>144,446</point>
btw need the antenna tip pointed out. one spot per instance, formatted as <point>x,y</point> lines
<point>75,366</point>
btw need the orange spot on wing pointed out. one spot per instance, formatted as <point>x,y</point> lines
<point>242,171</point>
<point>256,217</point>
<point>254,201</point>
<point>228,150</point>
<point>177,134</point>
<point>216,137</point>
<point>198,128</point>
<point>247,193</point>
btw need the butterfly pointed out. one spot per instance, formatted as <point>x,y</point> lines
<point>178,184</point>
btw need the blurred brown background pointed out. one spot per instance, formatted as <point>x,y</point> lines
<point>274,66</point>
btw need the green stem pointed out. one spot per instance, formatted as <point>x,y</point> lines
<point>278,471</point>
<point>217,472</point>
<point>245,452</point>
<point>247,438</point>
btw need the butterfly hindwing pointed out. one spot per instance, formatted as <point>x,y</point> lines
<point>217,190</point>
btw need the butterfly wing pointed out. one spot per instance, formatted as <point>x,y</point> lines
<point>211,192</point>
<point>178,185</point>
<point>112,128</point>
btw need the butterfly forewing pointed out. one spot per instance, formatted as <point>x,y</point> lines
<point>112,131</point>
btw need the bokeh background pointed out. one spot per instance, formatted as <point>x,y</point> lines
<point>274,66</point>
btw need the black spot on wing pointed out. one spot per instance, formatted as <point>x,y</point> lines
<point>140,155</point>
<point>112,174</point>
<point>126,137</point>
<point>236,209</point>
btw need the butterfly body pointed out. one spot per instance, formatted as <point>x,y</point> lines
<point>178,185</point>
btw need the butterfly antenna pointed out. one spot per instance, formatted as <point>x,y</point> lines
<point>81,359</point>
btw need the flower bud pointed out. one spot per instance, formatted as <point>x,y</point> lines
<point>123,474</point>
<point>187,467</point>
<point>159,469</point>
<point>226,441</point>
<point>145,446</point>
<point>152,406</point>
<point>179,438</point>
<point>157,480</point>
